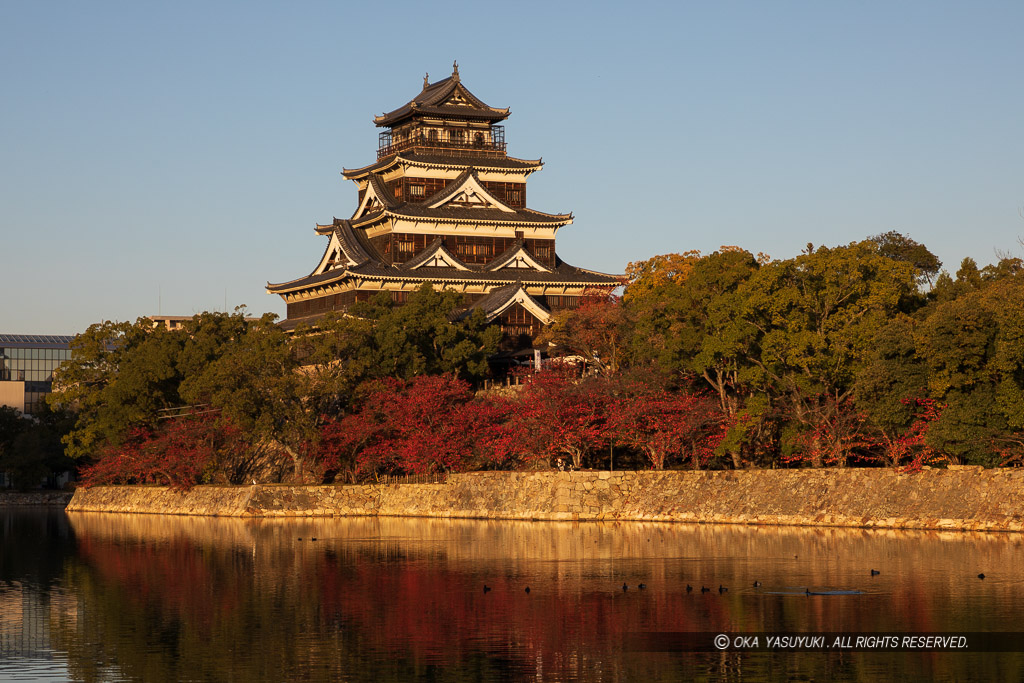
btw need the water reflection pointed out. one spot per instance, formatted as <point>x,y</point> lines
<point>183,598</point>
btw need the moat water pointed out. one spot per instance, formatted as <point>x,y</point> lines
<point>103,597</point>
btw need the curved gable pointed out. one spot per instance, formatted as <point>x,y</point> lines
<point>468,191</point>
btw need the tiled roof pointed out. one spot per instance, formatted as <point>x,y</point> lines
<point>475,214</point>
<point>496,299</point>
<point>562,273</point>
<point>431,101</point>
<point>480,162</point>
<point>453,186</point>
<point>386,198</point>
<point>354,242</point>
<point>499,262</point>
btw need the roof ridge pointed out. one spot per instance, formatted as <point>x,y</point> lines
<point>453,185</point>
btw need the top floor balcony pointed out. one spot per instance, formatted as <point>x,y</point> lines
<point>451,142</point>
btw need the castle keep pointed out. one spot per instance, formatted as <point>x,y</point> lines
<point>444,204</point>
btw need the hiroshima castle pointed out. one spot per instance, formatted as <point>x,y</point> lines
<point>444,204</point>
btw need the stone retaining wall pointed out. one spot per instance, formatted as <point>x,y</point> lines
<point>50,498</point>
<point>964,498</point>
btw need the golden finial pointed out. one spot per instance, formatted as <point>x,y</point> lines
<point>426,80</point>
<point>455,70</point>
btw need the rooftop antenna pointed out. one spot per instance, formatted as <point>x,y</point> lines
<point>159,300</point>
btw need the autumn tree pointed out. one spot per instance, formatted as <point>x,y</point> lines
<point>430,423</point>
<point>560,414</point>
<point>598,330</point>
<point>180,452</point>
<point>645,277</point>
<point>668,426</point>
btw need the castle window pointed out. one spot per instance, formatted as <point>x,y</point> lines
<point>416,190</point>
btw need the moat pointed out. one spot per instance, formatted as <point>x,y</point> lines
<point>105,597</point>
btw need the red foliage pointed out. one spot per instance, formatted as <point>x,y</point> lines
<point>595,329</point>
<point>909,449</point>
<point>840,435</point>
<point>186,451</point>
<point>666,425</point>
<point>340,443</point>
<point>425,425</point>
<point>559,414</point>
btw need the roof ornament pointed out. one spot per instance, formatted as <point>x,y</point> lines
<point>426,80</point>
<point>455,70</point>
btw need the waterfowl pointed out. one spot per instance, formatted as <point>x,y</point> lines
<point>722,589</point>
<point>642,586</point>
<point>689,588</point>
<point>625,588</point>
<point>704,589</point>
<point>875,572</point>
<point>757,584</point>
<point>487,589</point>
<point>527,590</point>
<point>981,576</point>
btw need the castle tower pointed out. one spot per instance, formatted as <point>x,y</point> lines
<point>444,204</point>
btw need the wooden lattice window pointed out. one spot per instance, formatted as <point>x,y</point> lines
<point>543,250</point>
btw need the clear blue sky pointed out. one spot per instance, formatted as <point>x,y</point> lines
<point>172,157</point>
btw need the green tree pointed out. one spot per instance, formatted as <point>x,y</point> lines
<point>900,247</point>
<point>119,375</point>
<point>421,338</point>
<point>973,346</point>
<point>816,317</point>
<point>256,383</point>
<point>694,325</point>
<point>31,448</point>
<point>892,373</point>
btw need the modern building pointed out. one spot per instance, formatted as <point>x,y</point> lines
<point>27,362</point>
<point>444,204</point>
<point>177,322</point>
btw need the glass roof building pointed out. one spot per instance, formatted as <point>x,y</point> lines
<point>27,362</point>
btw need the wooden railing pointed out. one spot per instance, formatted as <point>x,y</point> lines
<point>426,146</point>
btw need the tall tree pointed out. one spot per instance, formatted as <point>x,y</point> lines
<point>900,247</point>
<point>256,383</point>
<point>119,376</point>
<point>816,316</point>
<point>694,325</point>
<point>973,346</point>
